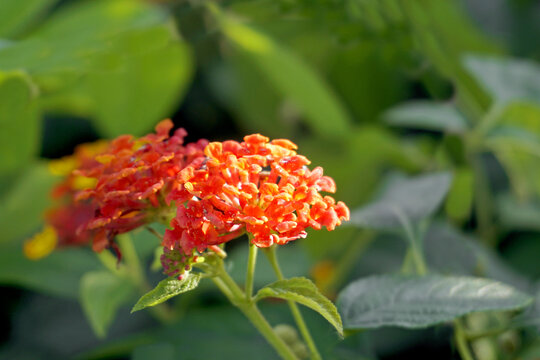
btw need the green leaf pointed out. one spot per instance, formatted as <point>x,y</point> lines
<point>422,301</point>
<point>57,274</point>
<point>19,121</point>
<point>102,293</point>
<point>303,291</point>
<point>410,200</point>
<point>162,351</point>
<point>167,289</point>
<point>426,115</point>
<point>505,78</point>
<point>17,15</point>
<point>24,201</point>
<point>144,88</point>
<point>292,78</point>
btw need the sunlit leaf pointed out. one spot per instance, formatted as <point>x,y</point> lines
<point>303,291</point>
<point>167,289</point>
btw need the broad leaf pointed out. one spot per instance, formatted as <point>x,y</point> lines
<point>167,289</point>
<point>410,200</point>
<point>303,291</point>
<point>419,302</point>
<point>17,15</point>
<point>426,115</point>
<point>515,214</point>
<point>292,78</point>
<point>145,87</point>
<point>102,294</point>
<point>505,78</point>
<point>57,274</point>
<point>19,121</point>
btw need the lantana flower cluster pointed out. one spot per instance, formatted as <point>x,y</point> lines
<point>207,193</point>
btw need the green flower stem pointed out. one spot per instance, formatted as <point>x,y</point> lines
<point>252,260</point>
<point>238,298</point>
<point>272,257</point>
<point>461,341</point>
<point>163,313</point>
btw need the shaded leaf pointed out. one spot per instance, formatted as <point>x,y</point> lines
<point>167,289</point>
<point>162,351</point>
<point>422,301</point>
<point>425,115</point>
<point>102,293</point>
<point>410,199</point>
<point>506,78</point>
<point>459,201</point>
<point>303,291</point>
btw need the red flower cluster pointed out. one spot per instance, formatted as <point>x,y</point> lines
<point>259,187</point>
<point>116,187</point>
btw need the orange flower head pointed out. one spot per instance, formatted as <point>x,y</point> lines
<point>257,186</point>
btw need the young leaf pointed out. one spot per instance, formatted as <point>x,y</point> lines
<point>293,78</point>
<point>166,289</point>
<point>426,115</point>
<point>505,78</point>
<point>419,302</point>
<point>303,291</point>
<point>101,295</point>
<point>412,199</point>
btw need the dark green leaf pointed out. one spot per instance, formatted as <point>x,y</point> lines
<point>166,289</point>
<point>161,351</point>
<point>422,301</point>
<point>505,78</point>
<point>404,200</point>
<point>102,294</point>
<point>303,291</point>
<point>19,121</point>
<point>292,78</point>
<point>426,115</point>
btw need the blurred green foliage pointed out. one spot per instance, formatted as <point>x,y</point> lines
<point>372,90</point>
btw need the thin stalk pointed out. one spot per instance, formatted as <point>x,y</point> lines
<point>461,341</point>
<point>238,298</point>
<point>252,261</point>
<point>297,315</point>
<point>163,313</point>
